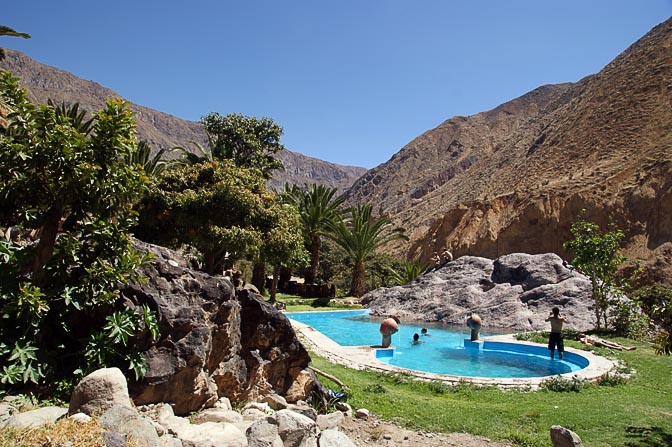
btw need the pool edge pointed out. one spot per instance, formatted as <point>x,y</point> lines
<point>363,357</point>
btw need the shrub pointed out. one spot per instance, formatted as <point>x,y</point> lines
<point>559,384</point>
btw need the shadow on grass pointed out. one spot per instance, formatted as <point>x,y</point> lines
<point>648,437</point>
<point>321,302</point>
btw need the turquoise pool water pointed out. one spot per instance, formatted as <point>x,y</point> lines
<point>443,351</point>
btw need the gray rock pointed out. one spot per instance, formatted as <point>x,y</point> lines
<point>275,401</point>
<point>81,418</point>
<point>263,433</point>
<point>304,409</point>
<point>169,441</point>
<point>296,430</point>
<point>126,421</point>
<point>362,413</point>
<point>335,438</point>
<point>513,292</point>
<point>36,418</point>
<point>223,403</point>
<point>217,415</point>
<point>114,439</point>
<point>211,434</point>
<point>562,437</point>
<point>6,411</point>
<point>331,420</point>
<point>253,414</point>
<point>214,341</point>
<point>99,391</point>
<point>344,408</point>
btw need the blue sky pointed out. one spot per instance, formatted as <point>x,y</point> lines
<point>350,81</point>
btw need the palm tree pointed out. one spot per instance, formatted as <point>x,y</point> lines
<point>359,236</point>
<point>319,210</point>
<point>7,31</point>
<point>77,118</point>
<point>201,155</point>
<point>152,165</point>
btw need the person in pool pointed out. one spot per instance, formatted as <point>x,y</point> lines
<point>416,339</point>
<point>555,338</point>
<point>424,332</point>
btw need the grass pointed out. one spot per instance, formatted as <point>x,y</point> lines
<point>636,413</point>
<point>300,304</point>
<point>65,430</point>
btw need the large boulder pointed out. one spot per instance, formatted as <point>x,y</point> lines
<point>514,292</point>
<point>214,342</point>
<point>100,390</point>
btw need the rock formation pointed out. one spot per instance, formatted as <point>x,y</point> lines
<point>214,343</point>
<point>514,292</point>
<point>515,178</point>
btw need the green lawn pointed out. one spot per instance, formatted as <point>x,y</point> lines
<point>638,413</point>
<point>300,304</point>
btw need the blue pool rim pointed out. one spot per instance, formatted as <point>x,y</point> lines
<point>364,357</point>
<point>514,348</point>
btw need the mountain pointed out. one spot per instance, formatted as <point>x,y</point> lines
<point>160,129</point>
<point>515,178</point>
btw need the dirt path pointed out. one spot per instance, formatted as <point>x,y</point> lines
<point>374,432</point>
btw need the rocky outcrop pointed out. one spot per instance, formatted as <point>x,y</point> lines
<point>214,343</point>
<point>160,129</point>
<point>514,179</point>
<point>513,292</point>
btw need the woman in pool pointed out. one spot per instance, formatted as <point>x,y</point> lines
<point>416,339</point>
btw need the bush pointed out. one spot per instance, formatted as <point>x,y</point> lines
<point>559,384</point>
<point>607,379</point>
<point>627,320</point>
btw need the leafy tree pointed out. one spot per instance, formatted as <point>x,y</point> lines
<point>359,236</point>
<point>318,208</point>
<point>282,244</point>
<point>656,302</point>
<point>596,254</point>
<point>221,210</point>
<point>65,181</point>
<point>7,31</point>
<point>248,141</point>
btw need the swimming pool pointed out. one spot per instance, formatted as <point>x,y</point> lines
<point>443,351</point>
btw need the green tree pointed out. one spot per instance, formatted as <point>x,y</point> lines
<point>282,244</point>
<point>359,236</point>
<point>221,210</point>
<point>248,141</point>
<point>656,302</point>
<point>65,181</point>
<point>318,208</point>
<point>597,255</point>
<point>7,31</point>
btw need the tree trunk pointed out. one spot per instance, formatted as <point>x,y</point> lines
<point>210,263</point>
<point>315,246</point>
<point>274,283</point>
<point>259,276</point>
<point>45,247</point>
<point>358,284</point>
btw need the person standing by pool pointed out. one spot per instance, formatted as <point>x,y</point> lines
<point>555,338</point>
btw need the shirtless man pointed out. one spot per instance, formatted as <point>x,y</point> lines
<point>555,339</point>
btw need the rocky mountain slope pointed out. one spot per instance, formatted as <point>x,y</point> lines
<point>160,129</point>
<point>515,178</point>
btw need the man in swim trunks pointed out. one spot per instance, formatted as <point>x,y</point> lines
<point>555,339</point>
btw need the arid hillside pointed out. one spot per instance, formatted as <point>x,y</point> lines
<point>515,178</point>
<point>160,129</point>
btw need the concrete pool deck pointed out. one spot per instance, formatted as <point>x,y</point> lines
<point>364,357</point>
